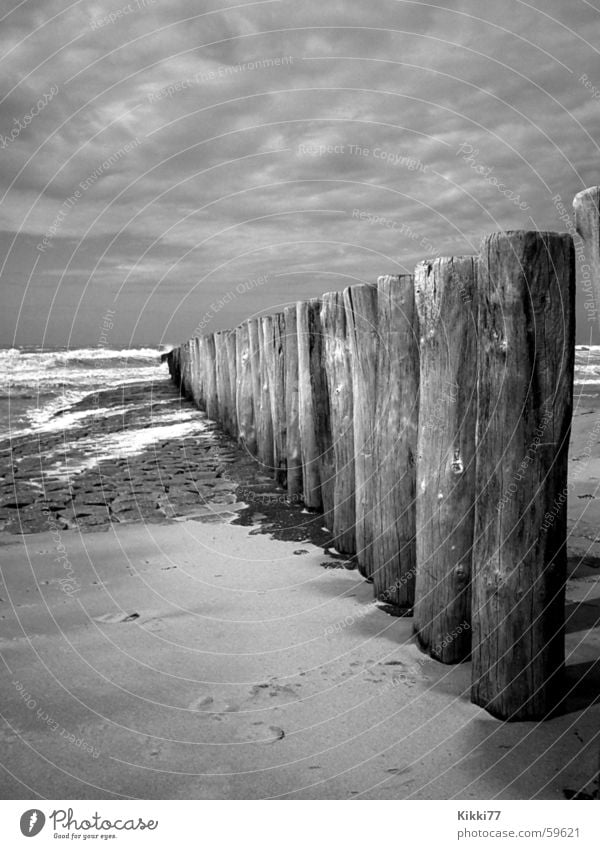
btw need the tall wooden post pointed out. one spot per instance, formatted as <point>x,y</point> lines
<point>257,395</point>
<point>244,395</point>
<point>360,302</point>
<point>445,292</point>
<point>292,406</point>
<point>223,379</point>
<point>230,349</point>
<point>274,332</point>
<point>212,406</point>
<point>265,429</point>
<point>586,206</point>
<point>526,356</point>
<point>395,443</point>
<point>311,482</point>
<point>200,389</point>
<point>322,412</point>
<point>339,380</point>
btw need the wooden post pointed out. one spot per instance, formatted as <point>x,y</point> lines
<point>526,358</point>
<point>587,249</point>
<point>244,396</point>
<point>395,443</point>
<point>293,451</point>
<point>445,291</point>
<point>230,349</point>
<point>257,393</point>
<point>212,407</point>
<point>339,380</point>
<point>265,429</point>
<point>185,369</point>
<point>311,483</point>
<point>321,410</point>
<point>274,331</point>
<point>360,302</point>
<point>199,388</point>
<point>223,379</point>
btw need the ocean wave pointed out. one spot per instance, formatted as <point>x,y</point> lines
<point>76,357</point>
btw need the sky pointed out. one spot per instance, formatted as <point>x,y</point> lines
<point>179,166</point>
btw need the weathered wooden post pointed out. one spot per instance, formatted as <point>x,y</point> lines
<point>257,395</point>
<point>395,442</point>
<point>198,387</point>
<point>223,379</point>
<point>265,429</point>
<point>292,406</point>
<point>445,299</point>
<point>230,354</point>
<point>339,381</point>
<point>586,206</point>
<point>212,406</point>
<point>274,332</point>
<point>244,394</point>
<point>184,350</point>
<point>322,412</point>
<point>311,482</point>
<point>360,302</point>
<point>526,346</point>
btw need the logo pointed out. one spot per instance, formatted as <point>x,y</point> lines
<point>32,822</point>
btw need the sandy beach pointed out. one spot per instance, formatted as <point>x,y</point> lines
<point>223,651</point>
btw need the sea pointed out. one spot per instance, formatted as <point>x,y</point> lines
<point>39,389</point>
<point>44,392</point>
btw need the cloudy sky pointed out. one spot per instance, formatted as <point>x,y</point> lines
<point>188,163</point>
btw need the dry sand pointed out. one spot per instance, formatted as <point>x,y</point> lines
<point>206,660</point>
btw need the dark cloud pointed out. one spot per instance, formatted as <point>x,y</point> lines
<point>190,146</point>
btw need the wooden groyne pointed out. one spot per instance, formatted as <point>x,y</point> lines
<point>428,417</point>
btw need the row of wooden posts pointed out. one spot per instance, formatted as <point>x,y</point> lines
<point>428,418</point>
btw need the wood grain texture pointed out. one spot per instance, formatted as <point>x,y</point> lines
<point>321,411</point>
<point>395,442</point>
<point>311,481</point>
<point>526,358</point>
<point>231,348</point>
<point>360,303</point>
<point>265,427</point>
<point>223,379</point>
<point>293,450</point>
<point>445,300</point>
<point>586,206</point>
<point>274,333</point>
<point>263,435</point>
<point>244,391</point>
<point>339,382</point>
<point>210,373</point>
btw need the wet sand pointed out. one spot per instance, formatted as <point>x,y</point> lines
<point>228,653</point>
